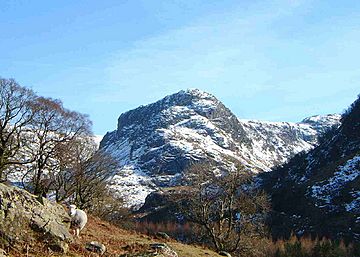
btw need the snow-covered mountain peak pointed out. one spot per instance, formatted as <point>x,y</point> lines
<point>176,106</point>
<point>323,119</point>
<point>157,142</point>
<point>188,97</point>
<point>199,93</point>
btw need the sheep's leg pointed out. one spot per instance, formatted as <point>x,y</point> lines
<point>74,232</point>
<point>77,232</point>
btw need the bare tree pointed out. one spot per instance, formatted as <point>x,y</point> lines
<point>52,146</point>
<point>51,128</point>
<point>91,179</point>
<point>69,157</point>
<point>83,173</point>
<point>222,202</point>
<point>15,116</point>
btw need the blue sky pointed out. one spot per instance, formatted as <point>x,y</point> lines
<point>279,60</point>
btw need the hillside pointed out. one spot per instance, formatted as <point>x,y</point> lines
<point>319,192</point>
<point>34,226</point>
<point>118,242</point>
<point>155,143</point>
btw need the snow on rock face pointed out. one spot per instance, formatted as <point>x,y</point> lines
<point>135,185</point>
<point>325,191</point>
<point>323,184</point>
<point>154,144</point>
<point>354,205</point>
<point>275,142</point>
<point>97,139</point>
<point>320,121</point>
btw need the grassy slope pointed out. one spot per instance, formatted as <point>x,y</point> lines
<point>120,241</point>
<point>117,241</point>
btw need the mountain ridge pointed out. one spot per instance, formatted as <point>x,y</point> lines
<point>319,191</point>
<point>155,143</point>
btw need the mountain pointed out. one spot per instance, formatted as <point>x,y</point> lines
<point>319,192</point>
<point>273,143</point>
<point>155,143</point>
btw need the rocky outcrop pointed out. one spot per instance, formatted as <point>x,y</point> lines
<point>27,218</point>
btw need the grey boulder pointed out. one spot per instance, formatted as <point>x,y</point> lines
<point>27,218</point>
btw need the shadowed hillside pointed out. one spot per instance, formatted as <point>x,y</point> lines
<point>318,193</point>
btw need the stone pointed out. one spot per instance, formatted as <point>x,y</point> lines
<point>24,218</point>
<point>155,249</point>
<point>59,246</point>
<point>3,253</point>
<point>163,249</point>
<point>223,253</point>
<point>141,255</point>
<point>162,235</point>
<point>95,247</point>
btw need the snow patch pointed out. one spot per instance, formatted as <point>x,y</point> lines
<point>327,190</point>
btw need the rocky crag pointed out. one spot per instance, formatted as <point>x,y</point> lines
<point>26,219</point>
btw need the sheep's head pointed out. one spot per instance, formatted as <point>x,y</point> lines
<point>72,209</point>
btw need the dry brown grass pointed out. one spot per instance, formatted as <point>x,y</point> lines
<point>117,241</point>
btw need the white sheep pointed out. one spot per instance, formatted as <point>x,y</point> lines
<point>78,219</point>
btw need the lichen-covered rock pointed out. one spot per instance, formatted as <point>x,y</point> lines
<point>155,249</point>
<point>163,250</point>
<point>26,218</point>
<point>95,247</point>
<point>162,235</point>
